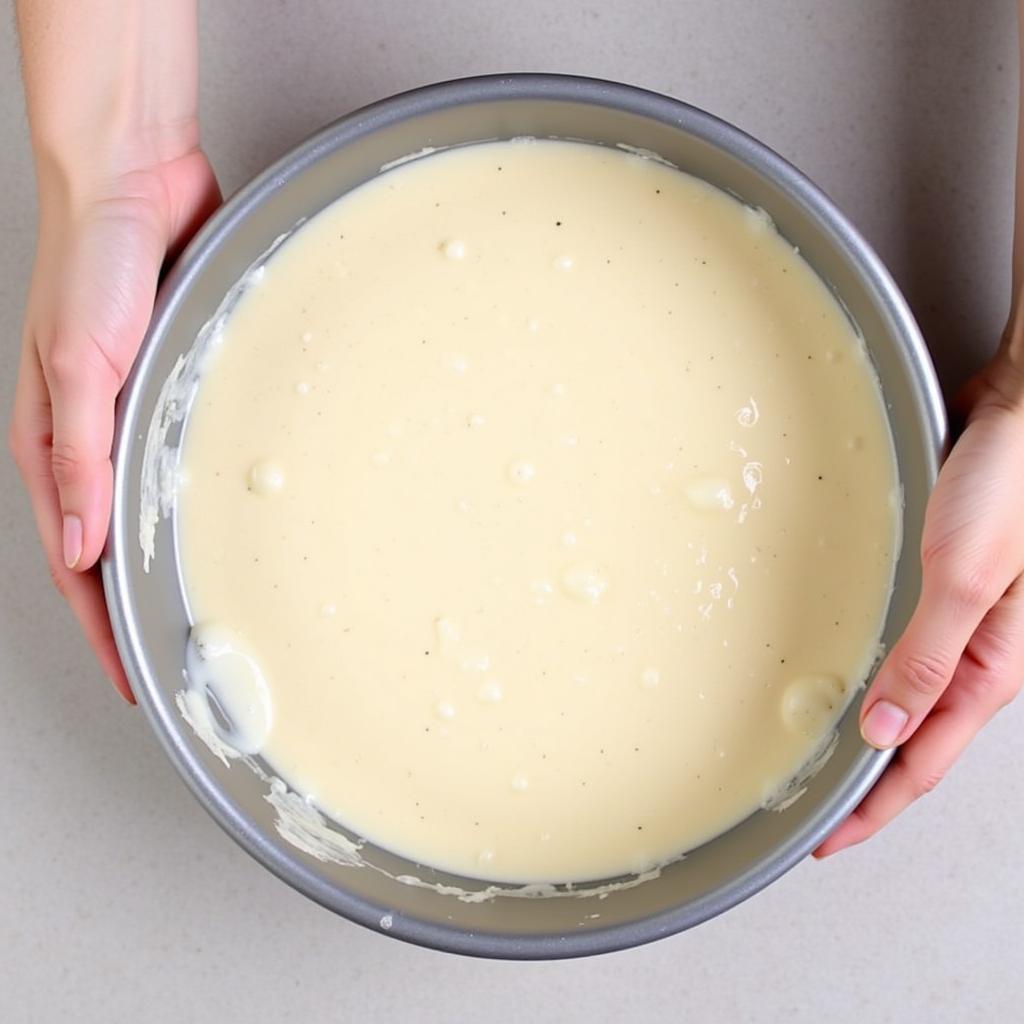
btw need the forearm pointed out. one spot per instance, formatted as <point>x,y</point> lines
<point>111,85</point>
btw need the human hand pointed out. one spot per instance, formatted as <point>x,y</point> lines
<point>961,657</point>
<point>103,238</point>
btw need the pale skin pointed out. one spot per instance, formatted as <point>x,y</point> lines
<point>123,184</point>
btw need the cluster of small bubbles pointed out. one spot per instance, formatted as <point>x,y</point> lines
<point>748,414</point>
<point>710,494</point>
<point>485,857</point>
<point>753,476</point>
<point>735,581</point>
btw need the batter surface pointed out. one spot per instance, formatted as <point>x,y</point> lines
<point>538,512</point>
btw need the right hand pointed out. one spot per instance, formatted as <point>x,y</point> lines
<point>101,246</point>
<point>961,658</point>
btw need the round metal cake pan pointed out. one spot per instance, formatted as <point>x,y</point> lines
<point>148,608</point>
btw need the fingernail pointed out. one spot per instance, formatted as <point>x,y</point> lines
<point>883,724</point>
<point>72,540</point>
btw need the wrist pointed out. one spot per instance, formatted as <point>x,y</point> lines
<point>111,87</point>
<point>117,160</point>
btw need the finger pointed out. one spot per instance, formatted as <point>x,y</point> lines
<point>196,195</point>
<point>30,436</point>
<point>922,662</point>
<point>84,593</point>
<point>83,387</point>
<point>916,770</point>
<point>988,677</point>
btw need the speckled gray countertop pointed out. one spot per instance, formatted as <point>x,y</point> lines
<point>120,900</point>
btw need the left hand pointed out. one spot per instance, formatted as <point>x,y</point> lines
<point>100,249</point>
<point>961,658</point>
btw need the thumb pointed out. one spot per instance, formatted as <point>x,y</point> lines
<point>83,386</point>
<point>923,661</point>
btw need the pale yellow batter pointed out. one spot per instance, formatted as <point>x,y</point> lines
<point>539,512</point>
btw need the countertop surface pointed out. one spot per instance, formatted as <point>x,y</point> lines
<point>121,900</point>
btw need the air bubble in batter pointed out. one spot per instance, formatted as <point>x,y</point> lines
<point>265,477</point>
<point>811,703</point>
